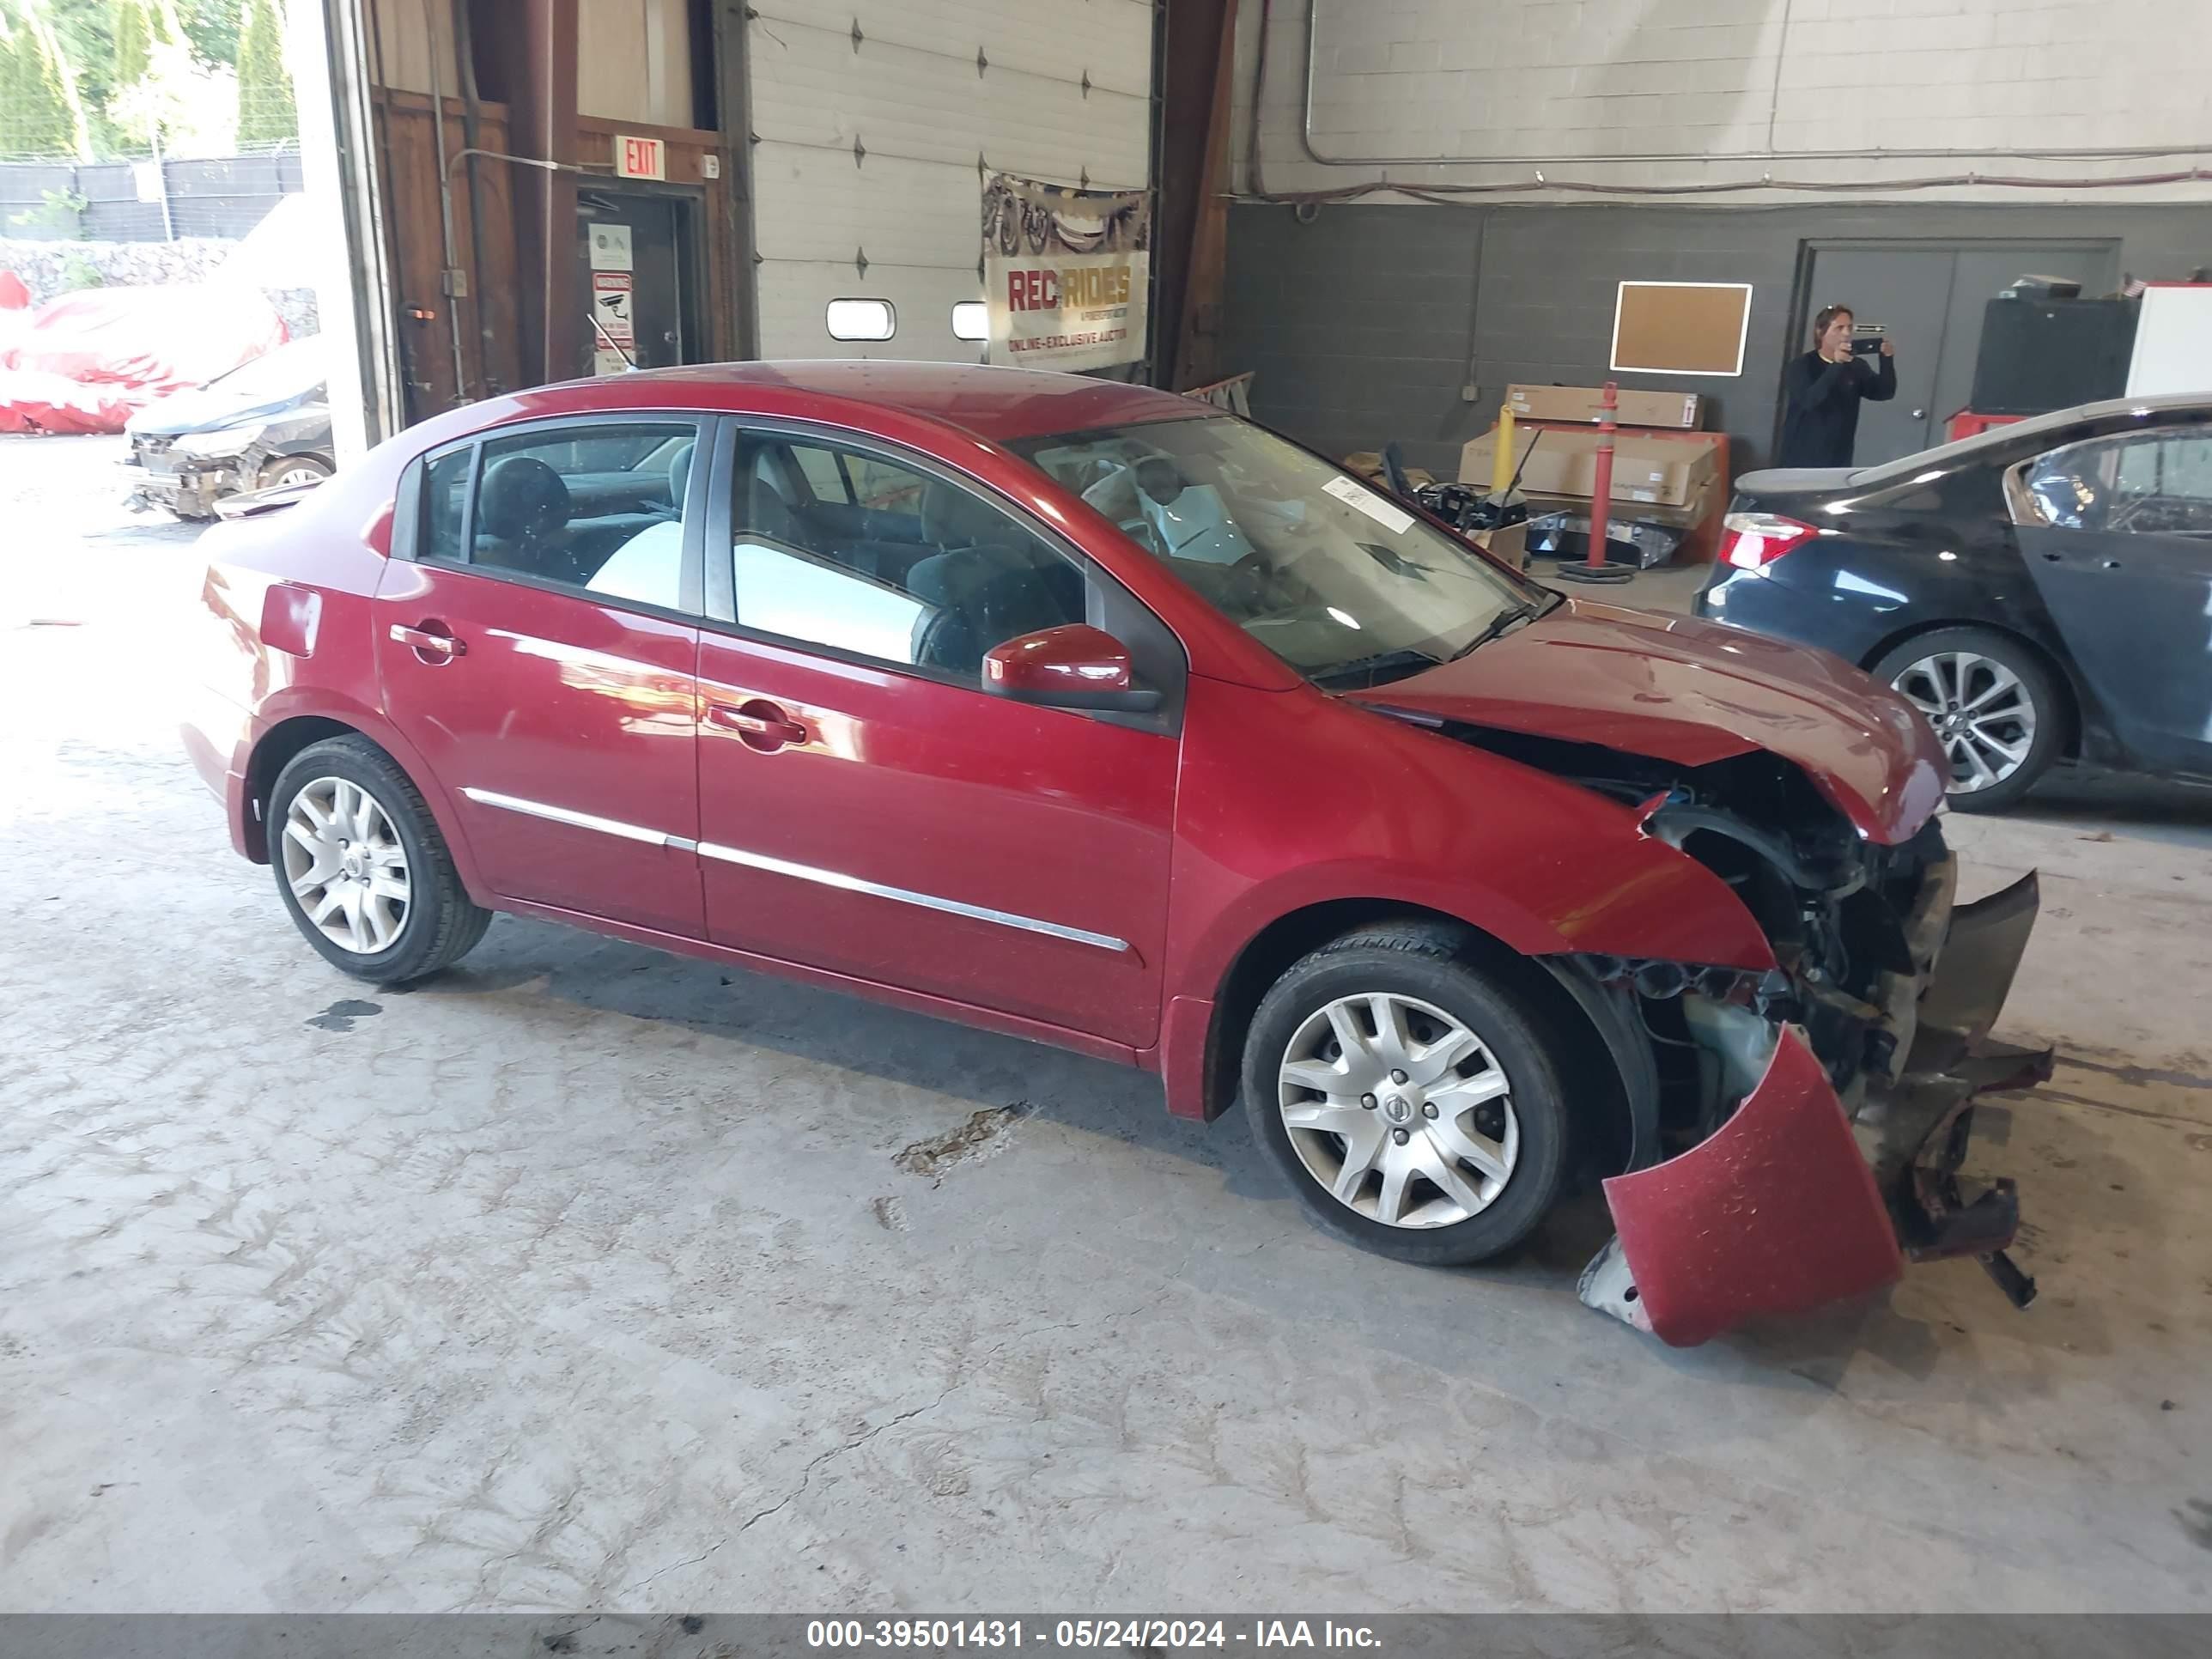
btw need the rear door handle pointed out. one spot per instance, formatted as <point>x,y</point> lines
<point>761,724</point>
<point>430,645</point>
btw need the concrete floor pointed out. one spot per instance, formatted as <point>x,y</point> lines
<point>590,1277</point>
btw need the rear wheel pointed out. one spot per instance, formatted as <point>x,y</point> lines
<point>1409,1098</point>
<point>361,867</point>
<point>1995,707</point>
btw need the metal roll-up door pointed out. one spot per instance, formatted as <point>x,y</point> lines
<point>875,121</point>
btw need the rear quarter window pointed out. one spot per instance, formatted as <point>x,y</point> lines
<point>445,506</point>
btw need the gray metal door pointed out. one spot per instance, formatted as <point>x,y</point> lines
<point>1908,292</point>
<point>1930,297</point>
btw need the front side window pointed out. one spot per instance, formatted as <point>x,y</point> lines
<point>597,508</point>
<point>869,557</point>
<point>2139,483</point>
<point>1333,576</point>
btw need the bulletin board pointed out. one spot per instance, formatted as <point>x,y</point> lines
<point>1681,328</point>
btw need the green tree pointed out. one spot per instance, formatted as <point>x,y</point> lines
<point>266,112</point>
<point>86,29</point>
<point>143,27</point>
<point>40,113</point>
<point>134,43</point>
<point>212,28</point>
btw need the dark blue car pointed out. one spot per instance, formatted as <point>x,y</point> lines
<point>2042,592</point>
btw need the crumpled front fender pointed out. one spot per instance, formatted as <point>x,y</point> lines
<point>1775,1213</point>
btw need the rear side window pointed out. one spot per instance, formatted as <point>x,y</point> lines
<point>2139,483</point>
<point>598,509</point>
<point>445,508</point>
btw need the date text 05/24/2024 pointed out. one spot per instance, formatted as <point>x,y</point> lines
<point>1140,1634</point>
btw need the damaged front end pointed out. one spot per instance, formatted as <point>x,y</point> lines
<point>1805,1127</point>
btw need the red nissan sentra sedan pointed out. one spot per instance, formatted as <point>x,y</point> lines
<point>1086,713</point>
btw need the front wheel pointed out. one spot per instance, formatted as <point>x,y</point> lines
<point>290,472</point>
<point>1994,706</point>
<point>361,867</point>
<point>1407,1097</point>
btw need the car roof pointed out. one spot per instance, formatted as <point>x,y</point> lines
<point>2115,414</point>
<point>993,404</point>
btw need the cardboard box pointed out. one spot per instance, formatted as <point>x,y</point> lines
<point>1368,464</point>
<point>1508,544</point>
<point>1682,411</point>
<point>1673,518</point>
<point>1650,472</point>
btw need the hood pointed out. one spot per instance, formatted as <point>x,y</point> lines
<point>1691,693</point>
<point>208,408</point>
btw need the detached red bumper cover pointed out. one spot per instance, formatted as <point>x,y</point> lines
<point>1777,1212</point>
<point>1794,1201</point>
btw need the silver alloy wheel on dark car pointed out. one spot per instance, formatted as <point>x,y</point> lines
<point>1399,1111</point>
<point>1984,713</point>
<point>346,866</point>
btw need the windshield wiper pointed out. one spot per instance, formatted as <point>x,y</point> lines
<point>1365,671</point>
<point>1504,623</point>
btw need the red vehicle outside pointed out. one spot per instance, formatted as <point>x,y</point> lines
<point>1083,712</point>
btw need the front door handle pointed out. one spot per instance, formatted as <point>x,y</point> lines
<point>758,723</point>
<point>430,643</point>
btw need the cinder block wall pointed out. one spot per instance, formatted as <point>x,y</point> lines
<point>1366,324</point>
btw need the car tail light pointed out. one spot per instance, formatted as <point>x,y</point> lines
<point>1755,540</point>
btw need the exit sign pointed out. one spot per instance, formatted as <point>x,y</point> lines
<point>640,158</point>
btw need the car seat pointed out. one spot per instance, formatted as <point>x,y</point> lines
<point>647,567</point>
<point>522,520</point>
<point>680,476</point>
<point>989,584</point>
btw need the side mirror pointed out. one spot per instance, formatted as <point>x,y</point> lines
<point>1072,667</point>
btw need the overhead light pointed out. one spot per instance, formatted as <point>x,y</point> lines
<point>1344,616</point>
<point>862,319</point>
<point>971,320</point>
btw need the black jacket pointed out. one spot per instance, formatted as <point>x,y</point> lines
<point>1821,407</point>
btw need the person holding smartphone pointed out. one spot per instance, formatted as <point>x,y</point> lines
<point>1822,389</point>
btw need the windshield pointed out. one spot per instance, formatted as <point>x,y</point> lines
<point>290,371</point>
<point>1331,575</point>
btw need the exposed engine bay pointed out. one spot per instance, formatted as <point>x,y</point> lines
<point>1870,1034</point>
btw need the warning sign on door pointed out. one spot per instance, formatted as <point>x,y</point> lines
<point>614,330</point>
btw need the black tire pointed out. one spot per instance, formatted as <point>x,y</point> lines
<point>440,924</point>
<point>1414,960</point>
<point>277,466</point>
<point>2045,699</point>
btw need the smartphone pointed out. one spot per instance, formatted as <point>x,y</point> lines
<point>1866,338</point>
